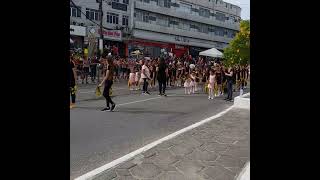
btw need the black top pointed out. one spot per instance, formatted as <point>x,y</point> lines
<point>162,71</point>
<point>229,78</point>
<point>111,72</point>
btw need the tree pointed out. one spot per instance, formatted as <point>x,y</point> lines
<point>238,50</point>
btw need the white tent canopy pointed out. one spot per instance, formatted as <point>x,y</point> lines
<point>71,41</point>
<point>213,52</point>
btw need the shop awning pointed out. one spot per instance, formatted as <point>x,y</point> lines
<point>213,52</point>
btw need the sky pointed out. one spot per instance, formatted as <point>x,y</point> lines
<point>244,5</point>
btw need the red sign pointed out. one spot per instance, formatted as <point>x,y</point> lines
<point>112,34</point>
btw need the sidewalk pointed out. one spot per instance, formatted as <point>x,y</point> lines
<point>217,150</point>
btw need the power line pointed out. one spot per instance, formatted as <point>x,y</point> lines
<point>87,16</point>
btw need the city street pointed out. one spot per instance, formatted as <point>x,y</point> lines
<point>97,138</point>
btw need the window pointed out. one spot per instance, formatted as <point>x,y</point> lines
<point>152,18</point>
<point>204,12</point>
<point>75,11</point>
<point>186,8</point>
<point>220,16</point>
<point>167,3</point>
<point>92,14</point>
<point>125,20</point>
<point>119,6</point>
<point>145,17</point>
<point>125,1</point>
<point>175,5</point>
<point>146,1</point>
<point>112,18</point>
<point>194,27</point>
<point>115,0</point>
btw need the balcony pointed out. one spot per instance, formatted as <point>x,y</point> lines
<point>179,32</point>
<point>187,16</point>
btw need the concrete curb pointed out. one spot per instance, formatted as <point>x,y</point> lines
<point>242,102</point>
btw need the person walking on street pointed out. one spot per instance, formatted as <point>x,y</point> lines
<point>145,75</point>
<point>229,76</point>
<point>162,71</point>
<point>108,81</point>
<point>86,67</point>
<point>72,82</point>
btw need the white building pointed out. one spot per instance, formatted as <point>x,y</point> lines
<point>152,25</point>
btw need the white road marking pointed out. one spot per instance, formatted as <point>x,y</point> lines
<point>93,91</point>
<point>138,101</point>
<point>245,173</point>
<point>95,172</point>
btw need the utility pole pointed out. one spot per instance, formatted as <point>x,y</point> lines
<point>100,45</point>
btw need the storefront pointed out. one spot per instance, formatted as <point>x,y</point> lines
<point>156,49</point>
<point>77,34</point>
<point>113,42</point>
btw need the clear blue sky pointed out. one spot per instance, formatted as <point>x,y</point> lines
<point>244,5</point>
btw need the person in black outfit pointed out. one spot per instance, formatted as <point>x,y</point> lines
<point>162,72</point>
<point>229,76</point>
<point>72,82</point>
<point>108,80</point>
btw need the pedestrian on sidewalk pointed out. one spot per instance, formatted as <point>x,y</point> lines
<point>108,81</point>
<point>72,82</point>
<point>229,75</point>
<point>145,75</point>
<point>162,71</point>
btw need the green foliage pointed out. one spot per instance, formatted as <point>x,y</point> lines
<point>238,50</point>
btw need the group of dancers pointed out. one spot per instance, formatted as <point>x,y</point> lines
<point>196,76</point>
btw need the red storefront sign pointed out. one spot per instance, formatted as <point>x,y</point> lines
<point>111,34</point>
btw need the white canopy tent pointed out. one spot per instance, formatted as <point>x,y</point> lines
<point>213,52</point>
<point>71,41</point>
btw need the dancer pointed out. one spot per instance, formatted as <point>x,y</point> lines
<point>145,76</point>
<point>132,78</point>
<point>108,81</point>
<point>162,71</point>
<point>193,82</point>
<point>229,75</point>
<point>212,78</point>
<point>187,84</point>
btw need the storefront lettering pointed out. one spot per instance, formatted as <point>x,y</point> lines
<point>181,39</point>
<point>111,33</point>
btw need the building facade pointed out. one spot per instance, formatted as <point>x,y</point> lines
<point>157,26</point>
<point>182,25</point>
<point>116,17</point>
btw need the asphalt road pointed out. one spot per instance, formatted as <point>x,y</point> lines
<point>97,138</point>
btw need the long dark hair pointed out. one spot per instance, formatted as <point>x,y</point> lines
<point>110,61</point>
